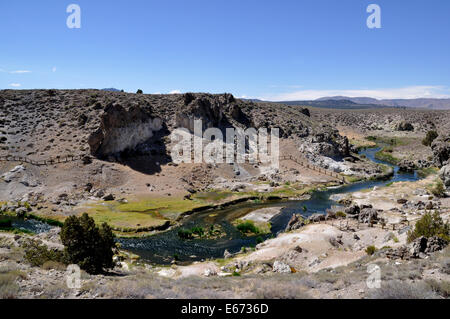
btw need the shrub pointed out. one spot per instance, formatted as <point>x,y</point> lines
<point>431,136</point>
<point>88,246</point>
<point>438,189</point>
<point>8,286</point>
<point>370,250</point>
<point>54,265</point>
<point>37,254</point>
<point>5,223</point>
<point>341,215</point>
<point>185,234</point>
<point>139,91</point>
<point>248,227</point>
<point>441,287</point>
<point>402,290</point>
<point>431,224</point>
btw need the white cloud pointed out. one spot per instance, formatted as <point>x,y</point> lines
<point>410,92</point>
<point>54,69</point>
<point>20,72</point>
<point>175,92</point>
<point>15,85</point>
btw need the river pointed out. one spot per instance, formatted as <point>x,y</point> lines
<point>163,247</point>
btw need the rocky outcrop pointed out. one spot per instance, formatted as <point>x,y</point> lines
<point>122,129</point>
<point>281,267</point>
<point>208,108</point>
<point>404,126</point>
<point>444,174</point>
<point>327,142</point>
<point>297,221</point>
<point>423,245</point>
<point>441,150</point>
<point>368,216</point>
<point>406,166</point>
<point>419,248</point>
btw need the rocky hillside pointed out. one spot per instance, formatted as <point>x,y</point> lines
<point>40,124</point>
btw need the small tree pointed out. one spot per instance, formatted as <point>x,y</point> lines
<point>139,91</point>
<point>87,245</point>
<point>431,136</point>
<point>431,224</point>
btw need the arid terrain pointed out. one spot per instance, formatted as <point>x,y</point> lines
<point>67,152</point>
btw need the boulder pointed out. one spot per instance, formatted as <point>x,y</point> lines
<point>423,246</point>
<point>296,222</point>
<point>315,218</point>
<point>441,150</point>
<point>109,197</point>
<point>368,216</point>
<point>281,267</point>
<point>404,126</point>
<point>444,174</point>
<point>406,166</point>
<point>227,254</point>
<point>352,210</point>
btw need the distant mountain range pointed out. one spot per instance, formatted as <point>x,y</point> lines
<point>344,102</point>
<point>426,103</point>
<point>111,90</point>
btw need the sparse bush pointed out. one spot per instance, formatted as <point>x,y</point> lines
<point>279,290</point>
<point>441,287</point>
<point>139,91</point>
<point>54,265</point>
<point>185,234</point>
<point>37,254</point>
<point>431,224</point>
<point>248,227</point>
<point>431,136</point>
<point>8,286</point>
<point>341,215</point>
<point>370,250</point>
<point>438,189</point>
<point>87,245</point>
<point>402,290</point>
<point>5,223</point>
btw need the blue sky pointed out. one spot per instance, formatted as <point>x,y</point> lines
<point>277,50</point>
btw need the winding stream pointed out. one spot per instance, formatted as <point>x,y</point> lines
<point>162,248</point>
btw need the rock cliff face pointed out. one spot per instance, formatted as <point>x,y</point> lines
<point>210,110</point>
<point>122,129</point>
<point>441,150</point>
<point>41,124</point>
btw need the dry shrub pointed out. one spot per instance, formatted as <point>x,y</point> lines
<point>48,265</point>
<point>402,290</point>
<point>279,290</point>
<point>8,286</point>
<point>440,287</point>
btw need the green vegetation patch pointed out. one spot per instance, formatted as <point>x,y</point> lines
<point>431,224</point>
<point>250,228</point>
<point>386,155</point>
